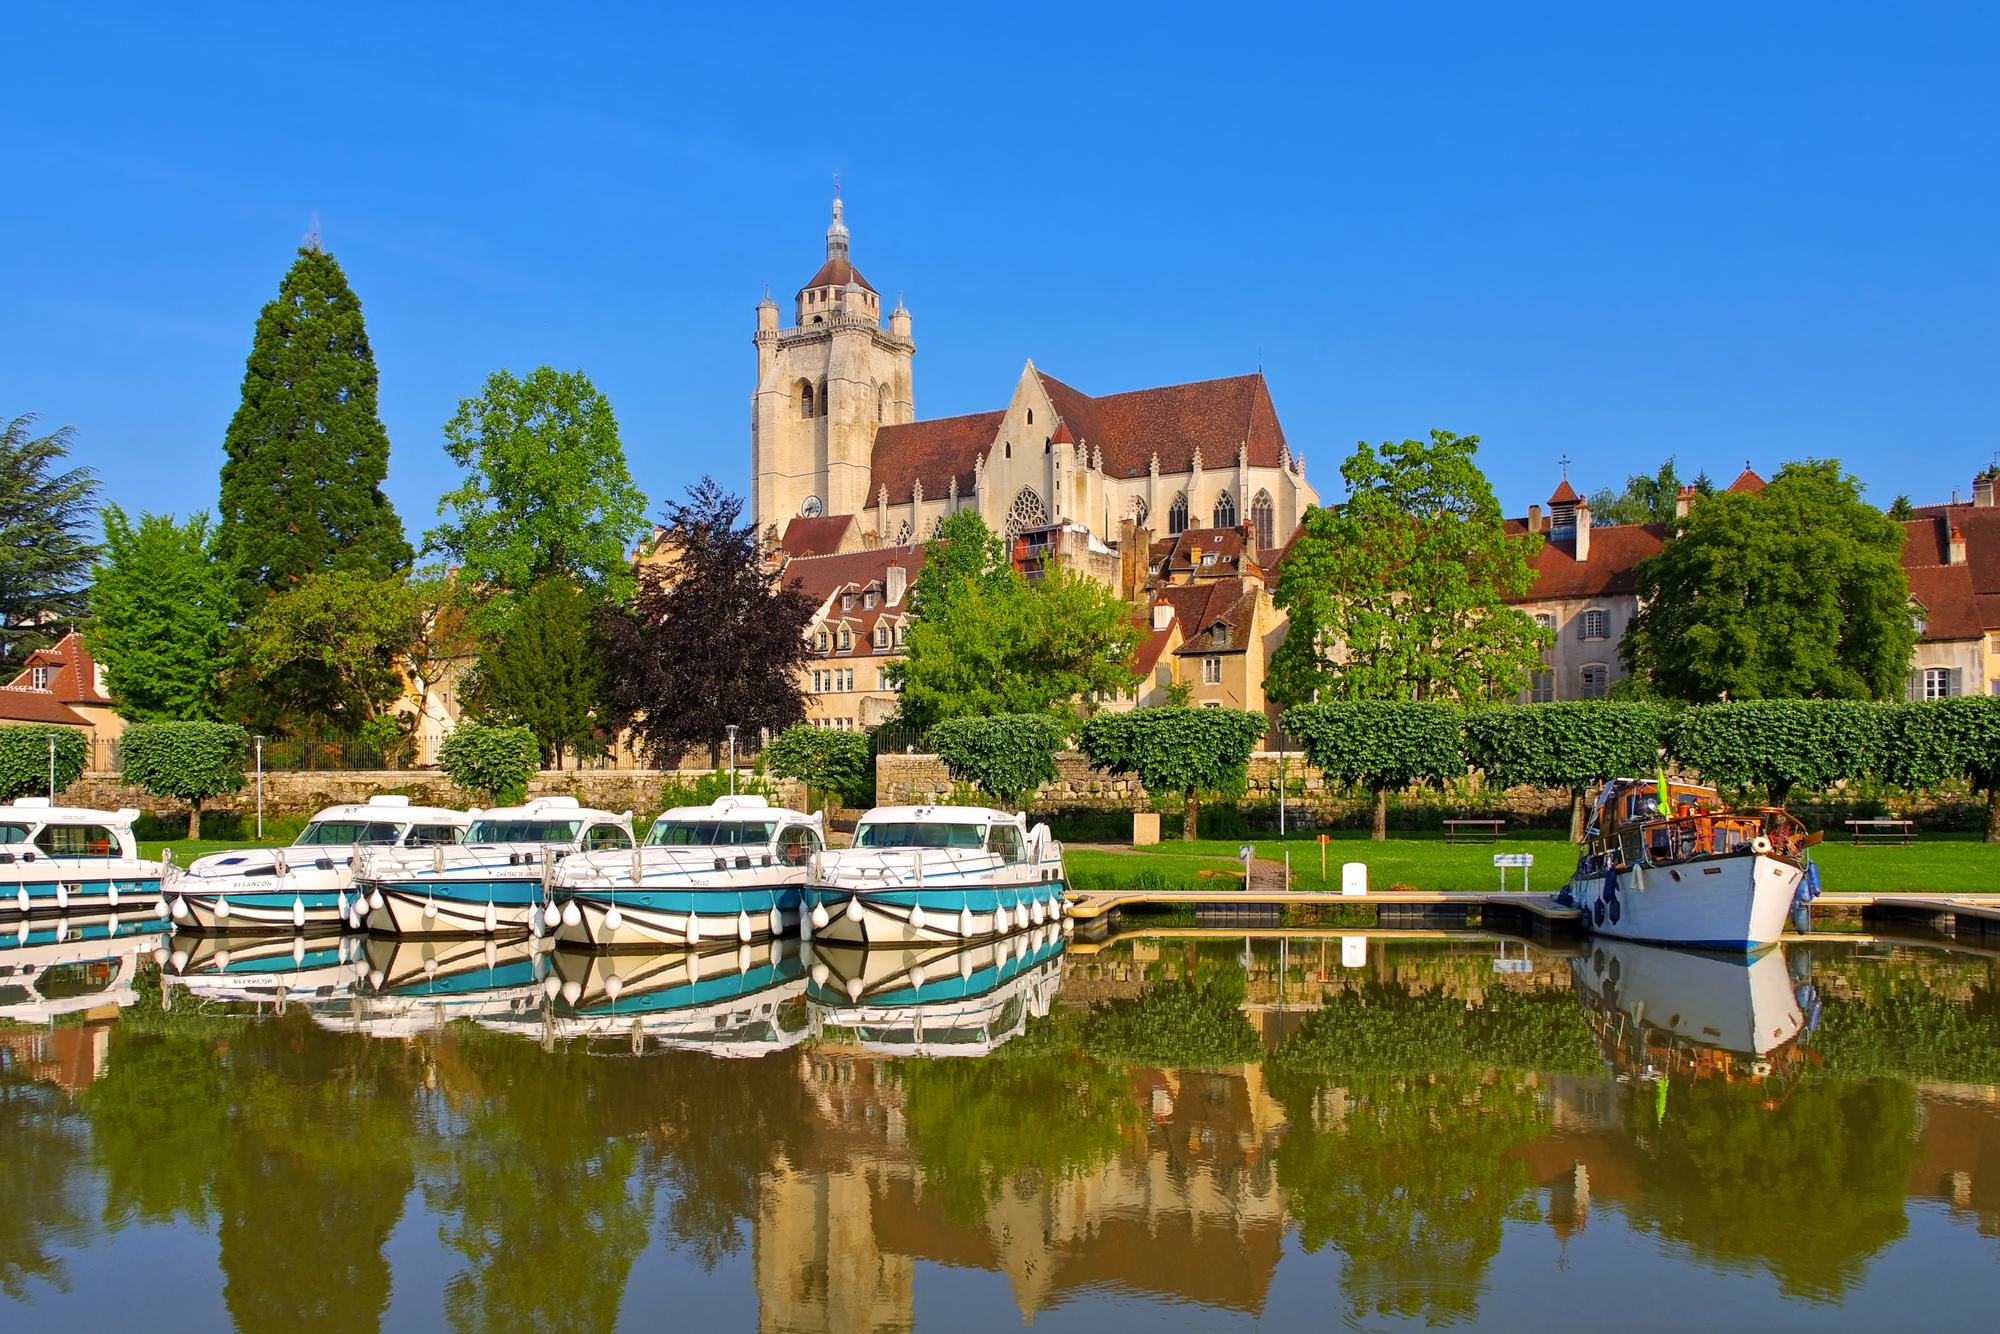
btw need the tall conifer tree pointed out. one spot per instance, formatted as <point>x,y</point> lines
<point>302,483</point>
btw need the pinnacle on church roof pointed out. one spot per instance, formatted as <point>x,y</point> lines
<point>1062,435</point>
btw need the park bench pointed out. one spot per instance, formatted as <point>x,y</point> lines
<point>1473,831</point>
<point>1882,831</point>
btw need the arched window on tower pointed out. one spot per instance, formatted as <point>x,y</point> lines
<point>882,403</point>
<point>1225,511</point>
<point>805,392</point>
<point>1027,512</point>
<point>1263,520</point>
<point>1177,514</point>
<point>822,398</point>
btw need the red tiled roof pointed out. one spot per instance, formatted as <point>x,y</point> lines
<point>932,452</point>
<point>823,576</point>
<point>1615,551</point>
<point>816,537</point>
<point>36,706</point>
<point>74,680</point>
<point>838,272</point>
<point>1062,435</point>
<point>1152,643</point>
<point>1183,553</point>
<point>1215,416</point>
<point>1565,494</point>
<point>1199,607</point>
<point>1959,601</point>
<point>1747,482</point>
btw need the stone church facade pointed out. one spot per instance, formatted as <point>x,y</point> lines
<point>840,461</point>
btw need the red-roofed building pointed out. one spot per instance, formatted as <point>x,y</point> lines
<point>62,684</point>
<point>863,618</point>
<point>1951,554</point>
<point>1584,592</point>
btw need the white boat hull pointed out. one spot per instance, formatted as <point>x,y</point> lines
<point>906,915</point>
<point>609,924</point>
<point>1723,903</point>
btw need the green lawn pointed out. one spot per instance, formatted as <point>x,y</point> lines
<point>187,849</point>
<point>1936,862</point>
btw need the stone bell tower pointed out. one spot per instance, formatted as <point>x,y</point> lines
<point>824,385</point>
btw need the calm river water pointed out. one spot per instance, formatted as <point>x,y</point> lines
<point>1162,1132</point>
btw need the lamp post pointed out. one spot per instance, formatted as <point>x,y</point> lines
<point>52,768</point>
<point>260,789</point>
<point>731,729</point>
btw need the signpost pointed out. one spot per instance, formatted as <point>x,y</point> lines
<point>1503,860</point>
<point>1323,841</point>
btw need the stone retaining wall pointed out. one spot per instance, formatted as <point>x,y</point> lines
<point>301,792</point>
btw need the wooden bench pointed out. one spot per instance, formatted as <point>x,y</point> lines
<point>1473,831</point>
<point>1882,831</point>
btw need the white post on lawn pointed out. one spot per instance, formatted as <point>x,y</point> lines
<point>260,789</point>
<point>731,729</point>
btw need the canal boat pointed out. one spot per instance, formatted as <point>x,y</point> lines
<point>1670,863</point>
<point>72,859</point>
<point>734,870</point>
<point>51,969</point>
<point>310,883</point>
<point>734,1002</point>
<point>276,967</point>
<point>924,875</point>
<point>496,882</point>
<point>405,987</point>
<point>963,1000</point>
<point>1663,1014</point>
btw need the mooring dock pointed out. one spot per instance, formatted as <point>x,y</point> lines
<point>1098,912</point>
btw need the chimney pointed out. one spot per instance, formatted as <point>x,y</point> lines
<point>1955,552</point>
<point>1683,500</point>
<point>1582,531</point>
<point>1982,490</point>
<point>1163,615</point>
<point>1534,518</point>
<point>894,581</point>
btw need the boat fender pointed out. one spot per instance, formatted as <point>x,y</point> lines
<point>1597,912</point>
<point>693,928</point>
<point>62,895</point>
<point>777,921</point>
<point>221,908</point>
<point>964,964</point>
<point>180,909</point>
<point>614,986</point>
<point>551,985</point>
<point>298,911</point>
<point>571,914</point>
<point>112,893</point>
<point>430,907</point>
<point>160,906</point>
<point>917,918</point>
<point>819,918</point>
<point>492,918</point>
<point>743,957</point>
<point>743,927</point>
<point>1761,845</point>
<point>613,919</point>
<point>965,922</point>
<point>1037,913</point>
<point>572,992</point>
<point>854,909</point>
<point>1613,910</point>
<point>21,898</point>
<point>375,900</point>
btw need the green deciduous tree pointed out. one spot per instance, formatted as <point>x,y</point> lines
<point>45,548</point>
<point>1381,744</point>
<point>24,759</point>
<point>829,762</point>
<point>1774,745</point>
<point>1571,745</point>
<point>306,452</point>
<point>1645,499</point>
<point>495,762</point>
<point>988,640</point>
<point>321,660</point>
<point>1796,591</point>
<point>1171,749</point>
<point>162,607</point>
<point>546,492</point>
<point>1949,740</point>
<point>184,761</point>
<point>1007,755</point>
<point>546,669</point>
<point>1401,592</point>
<point>714,636</point>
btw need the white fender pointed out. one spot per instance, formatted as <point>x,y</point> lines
<point>1069,926</point>
<point>819,918</point>
<point>614,986</point>
<point>221,908</point>
<point>917,918</point>
<point>1036,913</point>
<point>179,960</point>
<point>160,956</point>
<point>492,955</point>
<point>298,911</point>
<point>21,899</point>
<point>743,957</point>
<point>160,906</point>
<point>551,985</point>
<point>743,928</point>
<point>375,900</point>
<point>693,929</point>
<point>430,904</point>
<point>111,927</point>
<point>613,919</point>
<point>820,973</point>
<point>965,922</point>
<point>298,949</point>
<point>62,929</point>
<point>375,977</point>
<point>918,975</point>
<point>572,992</point>
<point>854,909</point>
<point>777,921</point>
<point>431,966</point>
<point>340,904</point>
<point>571,914</point>
<point>62,895</point>
<point>111,892</point>
<point>492,917</point>
<point>180,908</point>
<point>964,964</point>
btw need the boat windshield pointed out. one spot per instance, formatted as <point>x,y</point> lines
<point>523,831</point>
<point>711,833</point>
<point>915,835</point>
<point>13,833</point>
<point>345,833</point>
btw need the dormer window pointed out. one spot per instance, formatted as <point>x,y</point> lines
<point>847,602</point>
<point>1919,618</point>
<point>868,601</point>
<point>41,678</point>
<point>1207,558</point>
<point>1219,636</point>
<point>846,640</point>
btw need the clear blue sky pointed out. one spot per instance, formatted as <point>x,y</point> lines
<point>1609,231</point>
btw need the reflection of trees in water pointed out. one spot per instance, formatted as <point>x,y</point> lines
<point>1410,1177</point>
<point>41,1152</point>
<point>294,1142</point>
<point>1037,1110</point>
<point>1922,1018</point>
<point>1808,1189</point>
<point>1194,1022</point>
<point>1385,1027</point>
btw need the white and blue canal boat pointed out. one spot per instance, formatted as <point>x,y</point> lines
<point>731,871</point>
<point>937,1001</point>
<point>310,883</point>
<point>745,1001</point>
<point>923,875</point>
<point>407,987</point>
<point>498,881</point>
<point>70,859</point>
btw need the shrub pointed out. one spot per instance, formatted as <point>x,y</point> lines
<point>1380,744</point>
<point>495,762</point>
<point>837,765</point>
<point>1173,749</point>
<point>1007,755</point>
<point>24,759</point>
<point>1774,745</point>
<point>188,762</point>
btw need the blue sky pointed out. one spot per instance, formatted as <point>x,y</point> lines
<point>1612,232</point>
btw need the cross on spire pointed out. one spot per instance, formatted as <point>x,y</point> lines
<point>1564,461</point>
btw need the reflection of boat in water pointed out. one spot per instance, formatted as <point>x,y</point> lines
<point>303,967</point>
<point>403,987</point>
<point>937,1000</point>
<point>1663,1013</point>
<point>745,1000</point>
<point>67,965</point>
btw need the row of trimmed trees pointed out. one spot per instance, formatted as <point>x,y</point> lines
<point>178,761</point>
<point>1764,747</point>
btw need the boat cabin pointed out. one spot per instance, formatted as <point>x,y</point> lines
<point>559,821</point>
<point>748,822</point>
<point>968,828</point>
<point>1629,823</point>
<point>34,827</point>
<point>383,821</point>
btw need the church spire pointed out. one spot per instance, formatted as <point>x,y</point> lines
<point>836,235</point>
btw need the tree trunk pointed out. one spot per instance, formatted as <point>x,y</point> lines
<point>1189,814</point>
<point>194,818</point>
<point>1779,791</point>
<point>1993,814</point>
<point>1576,815</point>
<point>1381,830</point>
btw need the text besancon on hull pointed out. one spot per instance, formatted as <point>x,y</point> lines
<point>925,874</point>
<point>734,870</point>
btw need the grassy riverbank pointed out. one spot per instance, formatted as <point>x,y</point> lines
<point>1935,863</point>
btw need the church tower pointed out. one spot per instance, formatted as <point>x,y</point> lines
<point>823,387</point>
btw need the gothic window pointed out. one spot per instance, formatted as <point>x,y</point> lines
<point>1048,444</point>
<point>1177,513</point>
<point>937,527</point>
<point>1225,511</point>
<point>1263,519</point>
<point>903,534</point>
<point>805,392</point>
<point>1007,448</point>
<point>1031,416</point>
<point>1027,512</point>
<point>1139,510</point>
<point>882,403</point>
<point>822,398</point>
